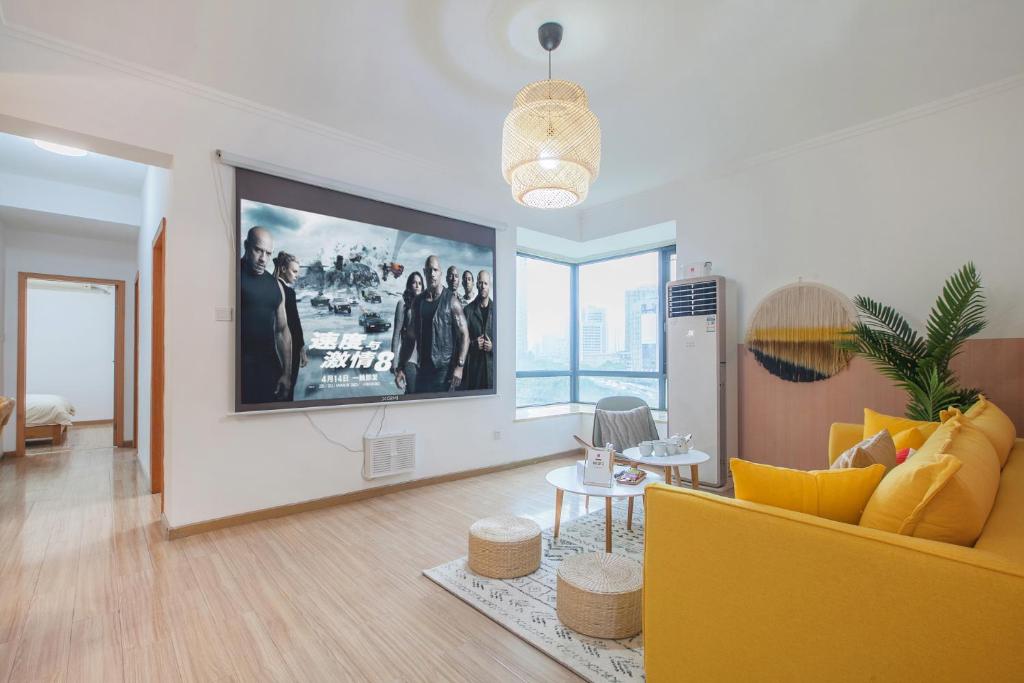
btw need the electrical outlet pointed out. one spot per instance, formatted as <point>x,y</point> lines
<point>223,313</point>
<point>497,435</point>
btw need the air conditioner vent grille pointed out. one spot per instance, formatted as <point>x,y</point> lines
<point>387,454</point>
<point>693,299</point>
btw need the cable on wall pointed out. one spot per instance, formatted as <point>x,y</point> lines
<point>346,446</point>
<point>223,207</point>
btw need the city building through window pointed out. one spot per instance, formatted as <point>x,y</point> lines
<point>594,329</point>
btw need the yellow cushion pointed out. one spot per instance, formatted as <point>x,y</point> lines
<point>944,493</point>
<point>839,495</point>
<point>909,438</point>
<point>995,424</point>
<point>842,436</point>
<point>875,422</point>
<point>900,499</point>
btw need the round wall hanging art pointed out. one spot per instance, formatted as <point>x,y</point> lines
<point>794,330</point>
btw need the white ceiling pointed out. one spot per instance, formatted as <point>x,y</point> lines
<point>27,220</point>
<point>682,87</point>
<point>578,251</point>
<point>20,156</point>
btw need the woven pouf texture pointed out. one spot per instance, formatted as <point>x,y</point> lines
<point>504,547</point>
<point>601,595</point>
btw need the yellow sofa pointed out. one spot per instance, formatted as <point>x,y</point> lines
<point>738,591</point>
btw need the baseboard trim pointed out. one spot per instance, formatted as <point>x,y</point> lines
<point>173,533</point>
<point>128,443</point>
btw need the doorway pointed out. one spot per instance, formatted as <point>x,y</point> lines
<point>66,362</point>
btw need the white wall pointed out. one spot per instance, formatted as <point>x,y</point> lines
<point>70,347</point>
<point>217,464</point>
<point>62,255</point>
<point>889,213</point>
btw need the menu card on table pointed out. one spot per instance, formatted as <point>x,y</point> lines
<point>598,468</point>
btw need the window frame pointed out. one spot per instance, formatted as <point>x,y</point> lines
<point>574,372</point>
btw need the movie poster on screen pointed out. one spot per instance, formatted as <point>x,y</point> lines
<point>333,310</point>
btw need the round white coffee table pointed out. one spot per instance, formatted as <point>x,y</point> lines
<point>669,462</point>
<point>567,479</point>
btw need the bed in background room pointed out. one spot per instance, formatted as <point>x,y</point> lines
<point>47,416</point>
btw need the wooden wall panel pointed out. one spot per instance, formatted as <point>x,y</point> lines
<point>786,423</point>
<point>996,366</point>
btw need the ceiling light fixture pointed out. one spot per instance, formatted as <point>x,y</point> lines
<point>60,149</point>
<point>551,142</point>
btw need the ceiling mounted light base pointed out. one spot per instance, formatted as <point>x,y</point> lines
<point>550,35</point>
<point>551,141</point>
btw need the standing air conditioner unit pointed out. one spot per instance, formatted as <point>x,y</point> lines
<point>695,333</point>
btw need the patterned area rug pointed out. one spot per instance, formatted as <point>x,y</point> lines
<point>526,606</point>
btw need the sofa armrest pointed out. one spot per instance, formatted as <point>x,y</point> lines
<point>841,436</point>
<point>735,590</point>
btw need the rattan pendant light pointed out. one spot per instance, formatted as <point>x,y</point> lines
<point>551,142</point>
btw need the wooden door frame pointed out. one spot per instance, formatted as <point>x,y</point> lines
<point>157,362</point>
<point>118,285</point>
<point>135,367</point>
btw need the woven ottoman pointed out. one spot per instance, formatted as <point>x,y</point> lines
<point>600,595</point>
<point>504,547</point>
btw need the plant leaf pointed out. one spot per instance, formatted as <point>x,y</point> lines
<point>920,365</point>
<point>958,314</point>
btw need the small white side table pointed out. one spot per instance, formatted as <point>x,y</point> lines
<point>693,458</point>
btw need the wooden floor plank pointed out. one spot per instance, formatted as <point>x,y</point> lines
<point>96,649</point>
<point>152,662</point>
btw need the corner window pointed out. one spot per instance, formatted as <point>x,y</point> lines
<point>590,330</point>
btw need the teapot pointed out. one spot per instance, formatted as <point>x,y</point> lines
<point>683,443</point>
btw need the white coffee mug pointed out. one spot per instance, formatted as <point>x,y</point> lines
<point>660,448</point>
<point>646,448</point>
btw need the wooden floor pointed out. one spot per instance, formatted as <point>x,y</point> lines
<point>90,590</point>
<point>79,437</point>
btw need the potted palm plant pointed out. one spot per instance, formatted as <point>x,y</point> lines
<point>919,364</point>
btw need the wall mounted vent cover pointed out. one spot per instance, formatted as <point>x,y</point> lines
<point>387,454</point>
